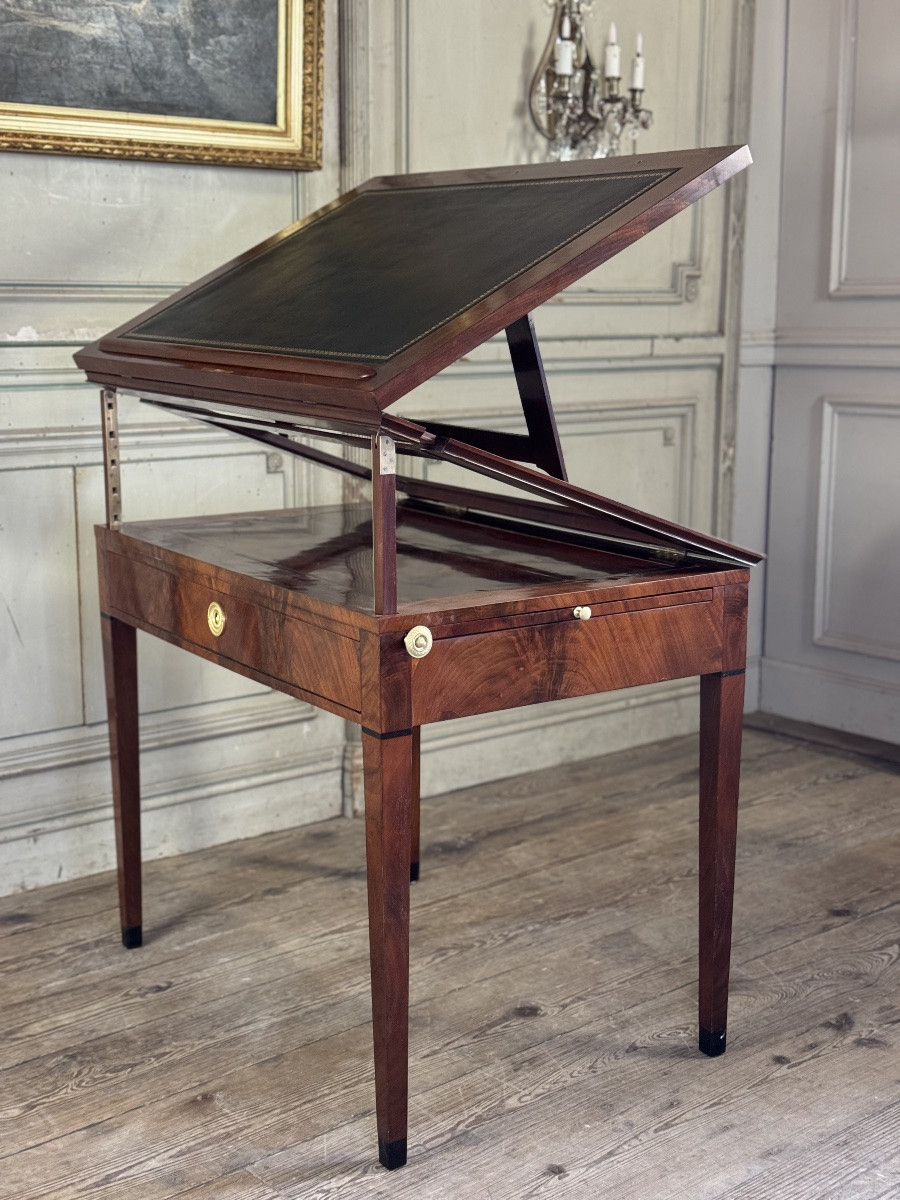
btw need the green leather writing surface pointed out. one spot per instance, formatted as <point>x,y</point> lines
<point>374,275</point>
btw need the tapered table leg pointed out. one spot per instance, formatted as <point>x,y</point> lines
<point>414,810</point>
<point>120,664</point>
<point>721,716</point>
<point>388,766</point>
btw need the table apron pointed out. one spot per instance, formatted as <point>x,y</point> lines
<point>503,669</point>
<point>279,646</point>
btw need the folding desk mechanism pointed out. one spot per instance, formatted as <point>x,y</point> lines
<point>433,600</point>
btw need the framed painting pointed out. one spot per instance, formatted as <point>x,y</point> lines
<point>235,82</point>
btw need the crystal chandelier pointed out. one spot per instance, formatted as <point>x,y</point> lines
<point>579,110</point>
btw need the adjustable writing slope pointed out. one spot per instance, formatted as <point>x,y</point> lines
<point>354,306</point>
<point>429,601</point>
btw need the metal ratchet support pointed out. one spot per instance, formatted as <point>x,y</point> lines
<point>111,458</point>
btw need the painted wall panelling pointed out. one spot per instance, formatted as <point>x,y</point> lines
<point>831,644</point>
<point>860,442</point>
<point>840,273</point>
<point>94,242</point>
<point>760,232</point>
<point>866,149</point>
<point>466,107</point>
<point>833,615</point>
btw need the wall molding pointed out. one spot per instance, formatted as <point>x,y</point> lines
<point>840,285</point>
<point>834,409</point>
<point>836,348</point>
<point>758,348</point>
<point>72,446</point>
<point>741,96</point>
<point>203,810</point>
<point>843,146</point>
<point>684,289</point>
<point>33,753</point>
<point>835,699</point>
<point>88,291</point>
<point>210,774</point>
<point>187,789</point>
<point>543,736</point>
<point>354,47</point>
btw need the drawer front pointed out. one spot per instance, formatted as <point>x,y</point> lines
<point>486,672</point>
<point>284,647</point>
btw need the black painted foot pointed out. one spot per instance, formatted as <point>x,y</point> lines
<point>711,1043</point>
<point>392,1154</point>
<point>132,936</point>
<point>413,872</point>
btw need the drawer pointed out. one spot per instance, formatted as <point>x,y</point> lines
<point>505,668</point>
<point>279,645</point>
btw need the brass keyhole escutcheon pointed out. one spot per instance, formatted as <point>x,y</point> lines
<point>215,618</point>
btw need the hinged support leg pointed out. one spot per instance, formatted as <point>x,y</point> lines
<point>535,396</point>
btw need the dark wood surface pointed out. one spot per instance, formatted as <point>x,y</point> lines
<point>553,996</point>
<point>388,766</point>
<point>721,714</point>
<point>120,661</point>
<point>535,397</point>
<point>639,526</point>
<point>324,556</point>
<point>557,659</point>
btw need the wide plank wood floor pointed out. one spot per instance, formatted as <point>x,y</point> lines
<point>553,1022</point>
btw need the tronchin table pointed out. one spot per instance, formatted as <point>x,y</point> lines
<point>433,601</point>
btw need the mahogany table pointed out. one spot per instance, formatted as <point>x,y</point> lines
<point>469,601</point>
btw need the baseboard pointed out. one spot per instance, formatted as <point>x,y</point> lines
<point>299,792</point>
<point>831,699</point>
<point>830,739</point>
<point>236,772</point>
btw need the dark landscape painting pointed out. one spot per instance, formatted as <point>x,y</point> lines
<point>197,59</point>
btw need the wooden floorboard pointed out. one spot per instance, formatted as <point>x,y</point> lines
<point>553,997</point>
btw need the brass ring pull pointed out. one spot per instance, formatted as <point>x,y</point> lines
<point>215,619</point>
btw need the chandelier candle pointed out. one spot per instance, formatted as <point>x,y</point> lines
<point>613,58</point>
<point>637,66</point>
<point>564,50</point>
<point>576,99</point>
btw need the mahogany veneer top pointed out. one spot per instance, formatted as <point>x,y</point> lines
<point>325,553</point>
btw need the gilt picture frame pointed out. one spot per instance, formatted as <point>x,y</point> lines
<point>235,82</point>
